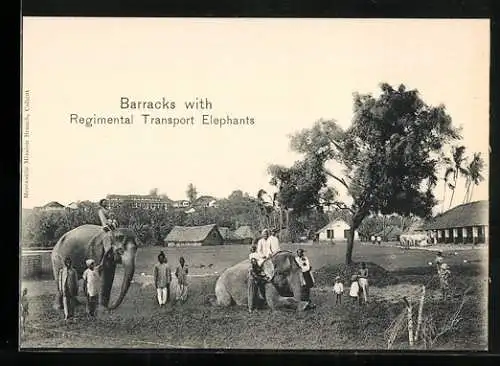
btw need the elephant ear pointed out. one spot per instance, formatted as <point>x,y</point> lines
<point>95,249</point>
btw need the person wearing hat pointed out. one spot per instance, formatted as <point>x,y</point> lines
<point>68,287</point>
<point>338,290</point>
<point>91,281</point>
<point>444,280</point>
<point>307,277</point>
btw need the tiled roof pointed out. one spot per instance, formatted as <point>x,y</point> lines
<point>468,214</point>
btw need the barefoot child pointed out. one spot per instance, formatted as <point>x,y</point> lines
<point>354,290</point>
<point>338,290</point>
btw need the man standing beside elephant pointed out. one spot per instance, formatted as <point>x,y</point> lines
<point>91,283</point>
<point>307,277</point>
<point>68,287</point>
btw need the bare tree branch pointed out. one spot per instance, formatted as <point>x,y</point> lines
<point>341,180</point>
<point>334,143</point>
<point>342,206</point>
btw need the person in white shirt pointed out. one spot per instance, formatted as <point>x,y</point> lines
<point>274,243</point>
<point>338,290</point>
<point>379,240</point>
<point>91,280</point>
<point>264,248</point>
<point>373,239</point>
<point>354,290</point>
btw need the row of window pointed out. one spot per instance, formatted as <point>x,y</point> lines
<point>330,234</point>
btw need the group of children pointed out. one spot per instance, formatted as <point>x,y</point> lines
<point>358,290</point>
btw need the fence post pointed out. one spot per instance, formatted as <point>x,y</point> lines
<point>420,309</point>
<point>410,321</point>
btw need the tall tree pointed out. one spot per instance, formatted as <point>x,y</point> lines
<point>301,188</point>
<point>153,192</point>
<point>389,154</point>
<point>191,193</point>
<point>474,176</point>
<point>458,161</point>
<point>449,169</point>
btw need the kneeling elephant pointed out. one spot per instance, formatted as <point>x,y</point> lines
<point>282,291</point>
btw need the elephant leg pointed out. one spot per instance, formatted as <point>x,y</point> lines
<point>278,302</point>
<point>56,266</point>
<point>58,301</point>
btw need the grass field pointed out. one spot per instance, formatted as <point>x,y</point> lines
<point>139,323</point>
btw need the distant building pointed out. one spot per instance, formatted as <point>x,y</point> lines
<point>244,235</point>
<point>181,204</point>
<point>150,202</point>
<point>467,223</point>
<point>52,206</point>
<point>205,201</point>
<point>73,205</point>
<point>337,230</point>
<point>230,237</point>
<point>194,236</point>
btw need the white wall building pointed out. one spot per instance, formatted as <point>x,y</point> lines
<point>337,230</point>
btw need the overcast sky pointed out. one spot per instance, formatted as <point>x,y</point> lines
<point>285,73</point>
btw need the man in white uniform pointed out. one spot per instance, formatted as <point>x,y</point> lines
<point>274,243</point>
<point>267,245</point>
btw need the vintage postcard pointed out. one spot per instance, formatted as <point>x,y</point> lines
<point>317,184</point>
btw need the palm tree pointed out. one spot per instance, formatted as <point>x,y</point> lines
<point>458,155</point>
<point>449,171</point>
<point>474,176</point>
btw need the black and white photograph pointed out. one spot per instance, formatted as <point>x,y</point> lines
<point>254,183</point>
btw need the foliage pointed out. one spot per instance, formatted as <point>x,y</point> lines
<point>389,155</point>
<point>191,193</point>
<point>44,228</point>
<point>473,176</point>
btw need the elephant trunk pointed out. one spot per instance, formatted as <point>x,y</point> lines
<point>128,261</point>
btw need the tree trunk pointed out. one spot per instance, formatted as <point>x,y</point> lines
<point>454,187</point>
<point>444,196</point>
<point>471,192</point>
<point>467,188</point>
<point>356,221</point>
<point>281,218</point>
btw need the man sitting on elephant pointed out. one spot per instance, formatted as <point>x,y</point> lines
<point>267,246</point>
<point>109,225</point>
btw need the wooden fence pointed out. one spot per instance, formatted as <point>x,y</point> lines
<point>35,263</point>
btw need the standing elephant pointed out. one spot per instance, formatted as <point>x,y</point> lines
<point>86,242</point>
<point>283,291</point>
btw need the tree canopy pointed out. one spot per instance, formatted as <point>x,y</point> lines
<point>389,156</point>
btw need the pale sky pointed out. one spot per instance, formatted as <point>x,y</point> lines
<point>285,73</point>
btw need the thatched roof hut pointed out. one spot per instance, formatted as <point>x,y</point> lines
<point>194,236</point>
